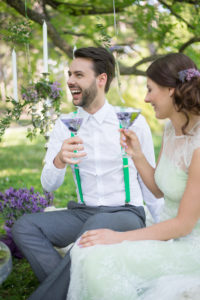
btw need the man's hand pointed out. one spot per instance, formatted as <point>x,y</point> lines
<point>100,236</point>
<point>66,154</point>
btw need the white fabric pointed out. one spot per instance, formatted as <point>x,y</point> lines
<point>179,149</point>
<point>146,270</point>
<point>101,171</point>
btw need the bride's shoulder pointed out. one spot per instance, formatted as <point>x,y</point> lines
<point>197,129</point>
<point>195,136</point>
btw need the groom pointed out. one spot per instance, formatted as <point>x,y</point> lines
<point>97,152</point>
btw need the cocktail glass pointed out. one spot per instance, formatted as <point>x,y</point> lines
<point>126,117</point>
<point>73,124</point>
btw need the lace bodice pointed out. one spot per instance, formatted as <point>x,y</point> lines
<point>179,149</point>
<point>172,171</point>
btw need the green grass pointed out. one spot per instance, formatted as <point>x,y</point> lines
<point>21,166</point>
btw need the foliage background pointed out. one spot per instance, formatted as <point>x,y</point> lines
<point>145,30</point>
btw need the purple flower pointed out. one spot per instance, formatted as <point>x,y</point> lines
<point>127,118</point>
<point>188,74</point>
<point>15,203</point>
<point>55,90</point>
<point>32,190</point>
<point>29,94</point>
<point>73,124</point>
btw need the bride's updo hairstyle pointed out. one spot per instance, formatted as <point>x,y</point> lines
<point>178,71</point>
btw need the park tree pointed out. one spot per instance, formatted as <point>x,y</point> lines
<point>156,26</point>
<point>136,31</point>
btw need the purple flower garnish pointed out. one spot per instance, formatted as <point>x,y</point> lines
<point>73,124</point>
<point>127,118</point>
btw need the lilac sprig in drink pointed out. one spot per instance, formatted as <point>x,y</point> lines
<point>127,118</point>
<point>73,124</point>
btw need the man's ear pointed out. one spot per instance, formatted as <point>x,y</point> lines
<point>171,92</point>
<point>102,79</point>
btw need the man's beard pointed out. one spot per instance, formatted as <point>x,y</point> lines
<point>88,95</point>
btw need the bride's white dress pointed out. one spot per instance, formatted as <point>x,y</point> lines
<point>147,270</point>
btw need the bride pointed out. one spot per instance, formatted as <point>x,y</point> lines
<point>161,261</point>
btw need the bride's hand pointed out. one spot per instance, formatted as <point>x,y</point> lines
<point>100,236</point>
<point>130,142</point>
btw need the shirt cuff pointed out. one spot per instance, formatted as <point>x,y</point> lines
<point>50,165</point>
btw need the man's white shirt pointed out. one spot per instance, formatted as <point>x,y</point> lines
<point>101,171</point>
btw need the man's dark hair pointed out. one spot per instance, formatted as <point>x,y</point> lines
<point>103,61</point>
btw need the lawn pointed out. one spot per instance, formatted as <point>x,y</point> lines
<point>20,166</point>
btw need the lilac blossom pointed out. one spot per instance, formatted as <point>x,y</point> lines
<point>188,74</point>
<point>15,203</point>
<point>30,94</point>
<point>55,90</point>
<point>127,118</point>
<point>73,124</point>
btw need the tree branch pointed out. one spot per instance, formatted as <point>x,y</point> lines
<point>175,14</point>
<point>133,70</point>
<point>74,33</point>
<point>85,9</point>
<point>195,2</point>
<point>188,43</point>
<point>19,6</point>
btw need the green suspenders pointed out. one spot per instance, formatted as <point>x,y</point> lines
<point>126,178</point>
<point>78,179</point>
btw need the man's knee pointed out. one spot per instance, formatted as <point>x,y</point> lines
<point>120,221</point>
<point>21,226</point>
<point>97,221</point>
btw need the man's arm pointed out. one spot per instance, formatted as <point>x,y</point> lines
<point>62,150</point>
<point>53,177</point>
<point>143,131</point>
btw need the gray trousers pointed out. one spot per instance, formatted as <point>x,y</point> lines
<point>36,234</point>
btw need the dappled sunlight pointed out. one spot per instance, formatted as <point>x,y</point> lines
<point>17,136</point>
<point>9,172</point>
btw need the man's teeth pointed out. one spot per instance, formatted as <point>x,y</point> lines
<point>75,91</point>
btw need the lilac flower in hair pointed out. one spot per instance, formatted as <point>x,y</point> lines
<point>188,74</point>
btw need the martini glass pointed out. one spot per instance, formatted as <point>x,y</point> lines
<point>73,124</point>
<point>126,117</point>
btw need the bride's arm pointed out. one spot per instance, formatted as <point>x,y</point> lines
<point>181,225</point>
<point>131,143</point>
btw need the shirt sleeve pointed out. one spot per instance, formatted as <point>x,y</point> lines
<point>52,177</point>
<point>143,132</point>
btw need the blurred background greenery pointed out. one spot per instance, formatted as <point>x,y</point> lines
<point>144,31</point>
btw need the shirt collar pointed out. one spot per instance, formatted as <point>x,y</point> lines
<point>100,115</point>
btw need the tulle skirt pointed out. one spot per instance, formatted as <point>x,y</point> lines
<point>141,270</point>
